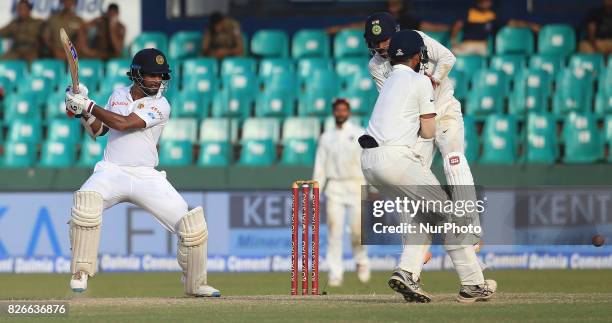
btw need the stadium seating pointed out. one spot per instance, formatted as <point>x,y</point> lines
<point>242,84</point>
<point>531,92</point>
<point>270,43</point>
<point>92,151</point>
<point>269,66</point>
<point>117,67</point>
<point>257,153</point>
<point>608,134</point>
<point>299,141</point>
<point>472,142</point>
<point>191,104</point>
<point>594,63</point>
<point>510,64</point>
<point>513,40</point>
<point>348,67</point>
<point>175,153</point>
<point>274,103</point>
<point>583,142</point>
<point>323,81</point>
<point>349,42</point>
<point>111,83</point>
<point>7,85</point>
<point>52,69</point>
<point>90,72</point>
<point>310,43</point>
<point>18,154</point>
<point>199,66</point>
<point>307,66</point>
<point>574,91</point>
<point>557,39</point>
<point>35,85</point>
<point>226,104</point>
<point>542,145</point>
<point>460,83</point>
<point>184,129</point>
<point>206,85</point>
<point>499,140</point>
<point>551,64</point>
<point>214,154</point>
<point>285,81</point>
<point>64,130</point>
<point>57,154</point>
<point>315,103</point>
<point>484,101</point>
<point>261,129</point>
<point>13,69</point>
<point>149,40</point>
<point>469,64</point>
<point>238,65</point>
<point>184,44</point>
<point>491,79</point>
<point>218,130</point>
<point>22,106</point>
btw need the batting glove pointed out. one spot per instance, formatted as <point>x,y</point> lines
<point>78,104</point>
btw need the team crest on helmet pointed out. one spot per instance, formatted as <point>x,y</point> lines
<point>159,59</point>
<point>399,52</point>
<point>376,30</point>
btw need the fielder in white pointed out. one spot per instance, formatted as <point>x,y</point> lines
<point>134,119</point>
<point>392,162</point>
<point>338,171</point>
<point>449,136</point>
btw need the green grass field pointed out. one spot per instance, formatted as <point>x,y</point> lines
<point>546,295</point>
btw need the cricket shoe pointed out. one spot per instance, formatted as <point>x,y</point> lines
<point>204,290</point>
<point>363,273</point>
<point>334,282</point>
<point>474,293</point>
<point>78,282</point>
<point>402,282</point>
<point>207,291</point>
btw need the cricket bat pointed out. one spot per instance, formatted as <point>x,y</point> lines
<point>73,62</point>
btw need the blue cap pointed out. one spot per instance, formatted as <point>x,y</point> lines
<point>405,43</point>
<point>379,27</point>
<point>150,61</point>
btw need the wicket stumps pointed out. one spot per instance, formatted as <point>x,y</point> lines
<point>295,223</point>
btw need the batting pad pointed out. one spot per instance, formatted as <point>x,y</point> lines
<point>85,228</point>
<point>192,249</point>
<point>459,177</point>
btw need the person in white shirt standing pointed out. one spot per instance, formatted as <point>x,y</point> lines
<point>392,162</point>
<point>134,119</point>
<point>338,171</point>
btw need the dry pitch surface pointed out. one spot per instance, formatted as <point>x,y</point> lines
<point>566,296</point>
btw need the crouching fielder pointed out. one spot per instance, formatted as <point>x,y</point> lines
<point>134,118</point>
<point>392,162</point>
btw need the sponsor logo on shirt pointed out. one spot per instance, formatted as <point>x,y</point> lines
<point>454,160</point>
<point>116,103</point>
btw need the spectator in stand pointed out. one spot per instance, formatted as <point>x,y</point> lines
<point>599,30</point>
<point>74,26</point>
<point>402,11</point>
<point>24,31</point>
<point>109,35</point>
<point>479,25</point>
<point>222,37</point>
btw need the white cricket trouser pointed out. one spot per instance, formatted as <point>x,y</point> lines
<point>402,171</point>
<point>339,207</point>
<point>143,186</point>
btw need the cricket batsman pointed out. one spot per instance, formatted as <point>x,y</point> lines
<point>392,161</point>
<point>338,171</point>
<point>134,119</point>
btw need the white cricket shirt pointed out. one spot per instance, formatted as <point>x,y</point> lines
<point>441,61</point>
<point>403,98</point>
<point>137,147</point>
